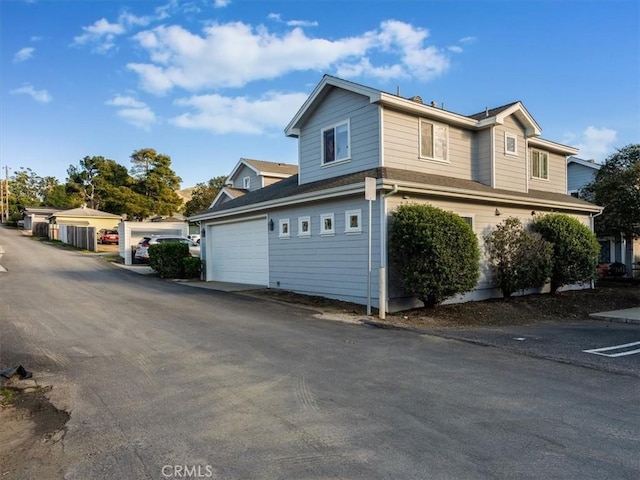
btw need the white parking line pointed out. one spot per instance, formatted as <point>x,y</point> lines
<point>600,351</point>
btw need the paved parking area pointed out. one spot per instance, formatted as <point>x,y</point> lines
<point>606,346</point>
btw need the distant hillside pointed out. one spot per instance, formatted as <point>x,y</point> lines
<point>186,194</point>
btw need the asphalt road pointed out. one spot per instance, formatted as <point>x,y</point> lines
<point>169,381</point>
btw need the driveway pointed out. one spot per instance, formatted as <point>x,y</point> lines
<point>162,380</point>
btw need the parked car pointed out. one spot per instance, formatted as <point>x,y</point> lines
<point>142,249</point>
<point>107,237</point>
<point>195,237</point>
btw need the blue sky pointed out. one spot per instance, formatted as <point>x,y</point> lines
<point>210,82</point>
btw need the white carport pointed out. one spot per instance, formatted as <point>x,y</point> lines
<point>132,232</point>
<point>238,252</point>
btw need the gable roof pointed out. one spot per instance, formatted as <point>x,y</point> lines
<point>84,212</point>
<point>584,163</point>
<point>40,210</point>
<point>287,192</point>
<point>415,105</point>
<point>265,169</point>
<point>227,192</point>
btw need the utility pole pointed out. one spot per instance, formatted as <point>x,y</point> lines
<point>6,193</point>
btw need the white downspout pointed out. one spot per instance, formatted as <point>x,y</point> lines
<point>382,280</point>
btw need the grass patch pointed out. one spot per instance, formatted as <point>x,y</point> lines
<point>7,396</point>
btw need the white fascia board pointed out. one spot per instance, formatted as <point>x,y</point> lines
<point>342,191</point>
<point>426,111</point>
<point>549,145</point>
<point>237,167</point>
<point>492,197</point>
<point>584,163</point>
<point>293,128</point>
<point>520,112</point>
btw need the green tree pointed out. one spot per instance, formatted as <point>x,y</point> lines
<point>520,259</point>
<point>156,181</point>
<point>58,197</point>
<point>435,251</point>
<point>575,248</point>
<point>24,191</point>
<point>203,195</point>
<point>97,181</point>
<point>616,187</point>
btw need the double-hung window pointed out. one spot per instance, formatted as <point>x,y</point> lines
<point>434,141</point>
<point>539,164</point>
<point>353,221</point>
<point>335,143</point>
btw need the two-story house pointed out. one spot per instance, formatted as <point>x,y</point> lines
<point>315,233</point>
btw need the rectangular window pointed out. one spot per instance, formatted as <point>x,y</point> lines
<point>335,143</point>
<point>246,183</point>
<point>510,144</point>
<point>326,224</point>
<point>468,220</point>
<point>304,226</point>
<point>539,164</point>
<point>353,221</point>
<point>434,142</point>
<point>284,230</point>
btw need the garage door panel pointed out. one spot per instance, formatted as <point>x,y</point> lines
<point>240,252</point>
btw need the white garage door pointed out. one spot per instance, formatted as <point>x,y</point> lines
<point>239,252</point>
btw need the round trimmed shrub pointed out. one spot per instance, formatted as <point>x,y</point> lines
<point>435,251</point>
<point>575,248</point>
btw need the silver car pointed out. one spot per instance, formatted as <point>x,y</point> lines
<point>142,250</point>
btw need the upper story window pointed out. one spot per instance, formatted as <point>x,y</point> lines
<point>335,143</point>
<point>539,164</point>
<point>510,144</point>
<point>434,141</point>
<point>246,183</point>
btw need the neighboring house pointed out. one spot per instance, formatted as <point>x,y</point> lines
<point>613,249</point>
<point>33,215</point>
<point>309,233</point>
<point>85,217</point>
<point>249,175</point>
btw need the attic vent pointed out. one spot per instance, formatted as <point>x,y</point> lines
<point>417,99</point>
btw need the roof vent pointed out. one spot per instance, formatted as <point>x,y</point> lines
<point>417,99</point>
<point>434,104</point>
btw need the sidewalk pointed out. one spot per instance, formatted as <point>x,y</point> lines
<point>628,315</point>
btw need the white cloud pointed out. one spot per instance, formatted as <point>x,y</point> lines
<point>133,111</point>
<point>23,54</point>
<point>234,54</point>
<point>102,33</point>
<point>594,143</point>
<point>221,115</point>
<point>292,23</point>
<point>455,49</point>
<point>468,40</point>
<point>221,3</point>
<point>41,96</point>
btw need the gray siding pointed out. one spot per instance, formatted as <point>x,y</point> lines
<point>578,176</point>
<point>402,147</point>
<point>511,170</point>
<point>333,266</point>
<point>339,106</point>
<point>244,171</point>
<point>483,167</point>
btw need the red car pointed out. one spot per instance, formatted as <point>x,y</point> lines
<point>109,236</point>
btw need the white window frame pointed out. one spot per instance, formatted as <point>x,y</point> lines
<point>327,231</point>
<point>347,221</point>
<point>432,154</point>
<point>471,217</point>
<point>544,175</point>
<point>346,155</point>
<point>284,228</point>
<point>246,183</point>
<point>508,136</point>
<point>302,233</point>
